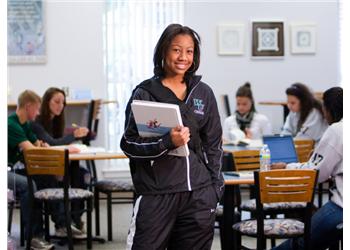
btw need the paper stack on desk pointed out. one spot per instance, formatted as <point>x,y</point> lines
<point>83,149</point>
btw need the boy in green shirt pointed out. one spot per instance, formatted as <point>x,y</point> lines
<point>20,137</point>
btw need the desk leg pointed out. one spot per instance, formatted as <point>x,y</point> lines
<point>74,174</point>
<point>228,218</point>
<point>285,112</point>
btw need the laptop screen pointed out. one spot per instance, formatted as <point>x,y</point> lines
<point>281,148</point>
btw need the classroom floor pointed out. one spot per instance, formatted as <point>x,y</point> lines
<point>121,214</point>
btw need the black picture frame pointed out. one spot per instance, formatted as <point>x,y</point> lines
<point>267,39</point>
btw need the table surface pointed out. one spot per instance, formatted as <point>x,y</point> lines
<point>69,103</point>
<point>273,103</point>
<point>97,156</point>
<point>233,148</point>
<point>237,180</point>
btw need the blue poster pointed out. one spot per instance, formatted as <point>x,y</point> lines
<point>25,31</point>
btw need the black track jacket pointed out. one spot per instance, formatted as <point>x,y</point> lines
<point>153,170</point>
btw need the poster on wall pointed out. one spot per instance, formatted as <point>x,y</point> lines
<point>25,31</point>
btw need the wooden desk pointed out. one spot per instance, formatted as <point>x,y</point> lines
<point>229,235</point>
<point>75,158</point>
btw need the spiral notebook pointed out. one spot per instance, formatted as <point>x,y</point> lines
<point>156,119</point>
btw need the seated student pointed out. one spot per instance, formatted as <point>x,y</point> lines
<point>246,122</point>
<point>49,127</point>
<point>305,119</point>
<point>21,137</point>
<point>328,159</point>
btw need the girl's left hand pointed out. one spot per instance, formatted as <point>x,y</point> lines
<point>248,133</point>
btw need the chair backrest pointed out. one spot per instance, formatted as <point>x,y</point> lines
<point>46,161</point>
<point>226,103</point>
<point>287,185</point>
<point>318,95</point>
<point>93,119</point>
<point>304,148</point>
<point>246,160</point>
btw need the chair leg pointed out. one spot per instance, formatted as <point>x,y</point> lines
<point>320,194</point>
<point>68,225</point>
<point>221,230</point>
<point>273,243</point>
<point>29,229</point>
<point>89,223</point>
<point>109,216</point>
<point>97,211</point>
<point>47,221</point>
<point>21,228</point>
<point>10,215</point>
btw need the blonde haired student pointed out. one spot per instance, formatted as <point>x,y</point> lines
<point>21,137</point>
<point>246,122</point>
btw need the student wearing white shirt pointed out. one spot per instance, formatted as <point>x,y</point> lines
<point>246,122</point>
<point>328,159</point>
<point>305,119</point>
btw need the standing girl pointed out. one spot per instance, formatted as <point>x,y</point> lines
<point>177,198</point>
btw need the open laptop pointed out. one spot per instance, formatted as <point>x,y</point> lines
<point>281,148</point>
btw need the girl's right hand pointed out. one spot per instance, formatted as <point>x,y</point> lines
<point>80,132</point>
<point>180,135</point>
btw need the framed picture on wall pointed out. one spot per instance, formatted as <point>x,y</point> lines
<point>230,39</point>
<point>25,31</point>
<point>267,39</point>
<point>303,38</point>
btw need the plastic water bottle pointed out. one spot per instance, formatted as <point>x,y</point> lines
<point>265,158</point>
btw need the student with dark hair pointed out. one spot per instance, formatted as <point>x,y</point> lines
<point>328,159</point>
<point>50,124</point>
<point>49,127</point>
<point>246,122</point>
<point>177,196</point>
<point>305,119</point>
<point>21,137</point>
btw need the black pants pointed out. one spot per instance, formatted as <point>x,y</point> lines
<point>182,220</point>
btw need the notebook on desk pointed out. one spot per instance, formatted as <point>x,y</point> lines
<point>282,148</point>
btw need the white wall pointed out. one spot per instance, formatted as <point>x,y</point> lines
<point>74,52</point>
<point>269,78</point>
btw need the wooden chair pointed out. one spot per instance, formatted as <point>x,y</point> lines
<point>46,161</point>
<point>246,160</point>
<point>275,187</point>
<point>304,149</point>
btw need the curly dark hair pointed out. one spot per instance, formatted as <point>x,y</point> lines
<point>164,43</point>
<point>56,126</point>
<point>307,101</point>
<point>333,103</point>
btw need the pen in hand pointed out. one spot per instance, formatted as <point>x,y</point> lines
<point>79,131</point>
